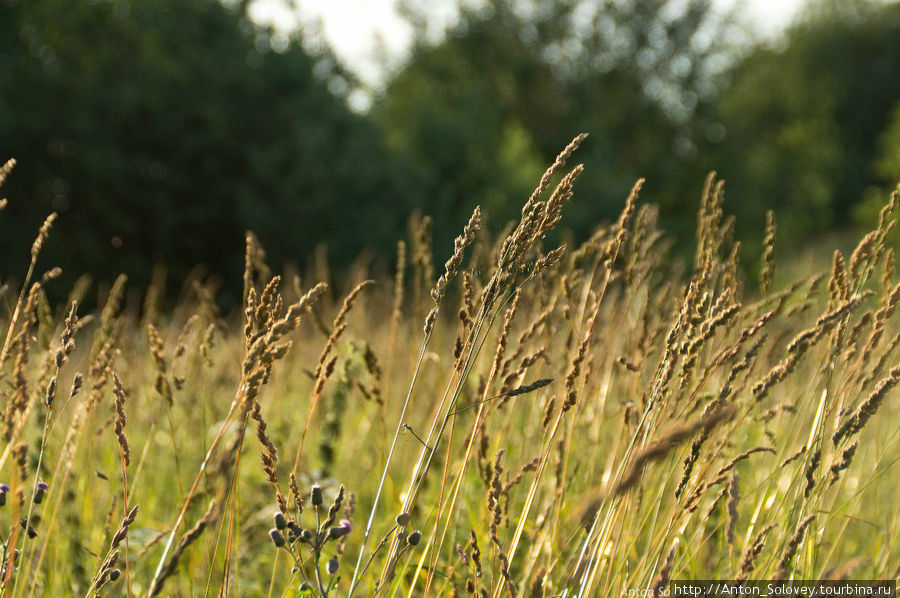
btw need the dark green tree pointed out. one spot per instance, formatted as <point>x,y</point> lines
<point>513,82</point>
<point>805,118</point>
<point>162,129</point>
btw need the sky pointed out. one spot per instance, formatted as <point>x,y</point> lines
<point>367,34</point>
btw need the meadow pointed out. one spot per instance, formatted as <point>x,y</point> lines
<point>521,420</point>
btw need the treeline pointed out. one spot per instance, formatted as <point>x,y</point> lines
<point>161,130</point>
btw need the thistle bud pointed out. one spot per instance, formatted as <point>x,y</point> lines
<point>316,495</point>
<point>42,487</point>
<point>340,530</point>
<point>414,538</point>
<point>32,533</point>
<point>280,521</point>
<point>277,538</point>
<point>332,565</point>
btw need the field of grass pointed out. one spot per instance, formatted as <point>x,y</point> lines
<point>520,421</point>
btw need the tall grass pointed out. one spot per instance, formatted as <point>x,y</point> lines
<point>527,421</point>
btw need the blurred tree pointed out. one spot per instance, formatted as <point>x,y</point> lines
<point>888,163</point>
<point>804,119</point>
<point>162,129</point>
<point>492,103</point>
